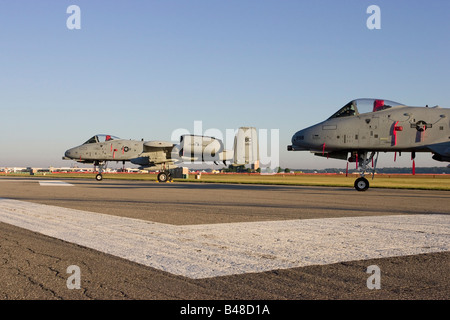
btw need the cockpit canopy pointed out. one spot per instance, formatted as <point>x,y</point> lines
<point>360,106</point>
<point>101,138</point>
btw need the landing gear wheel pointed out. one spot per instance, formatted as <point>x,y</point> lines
<point>361,184</point>
<point>163,177</point>
<point>99,177</point>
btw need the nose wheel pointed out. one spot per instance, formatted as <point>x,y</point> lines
<point>361,184</point>
<point>101,166</point>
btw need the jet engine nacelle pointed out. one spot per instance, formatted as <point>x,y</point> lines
<point>200,147</point>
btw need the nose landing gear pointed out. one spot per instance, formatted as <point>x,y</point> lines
<point>362,184</point>
<point>101,166</point>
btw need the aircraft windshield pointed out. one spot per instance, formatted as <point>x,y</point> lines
<point>361,106</point>
<point>101,138</point>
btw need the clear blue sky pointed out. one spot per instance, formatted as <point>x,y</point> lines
<point>141,69</point>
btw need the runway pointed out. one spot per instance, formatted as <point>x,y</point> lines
<point>144,240</point>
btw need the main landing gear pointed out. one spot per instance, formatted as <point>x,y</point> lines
<point>362,184</point>
<point>164,176</point>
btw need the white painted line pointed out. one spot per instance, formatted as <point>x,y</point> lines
<point>54,183</point>
<point>203,251</point>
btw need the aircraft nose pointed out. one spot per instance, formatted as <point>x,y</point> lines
<point>68,153</point>
<point>298,138</point>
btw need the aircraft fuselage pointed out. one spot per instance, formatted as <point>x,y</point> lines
<point>365,127</point>
<point>409,129</point>
<point>114,150</point>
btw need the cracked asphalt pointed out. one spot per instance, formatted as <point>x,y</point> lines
<point>34,266</point>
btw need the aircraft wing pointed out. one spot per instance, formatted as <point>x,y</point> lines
<point>155,153</point>
<point>151,145</point>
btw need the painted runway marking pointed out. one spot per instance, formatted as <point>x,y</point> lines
<point>54,183</point>
<point>203,251</point>
<point>57,183</point>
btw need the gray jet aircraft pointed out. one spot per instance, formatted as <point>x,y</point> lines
<point>164,155</point>
<point>364,127</point>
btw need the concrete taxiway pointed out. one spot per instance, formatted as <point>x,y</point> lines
<point>219,241</point>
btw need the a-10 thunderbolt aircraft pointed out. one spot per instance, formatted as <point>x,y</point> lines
<point>164,155</point>
<point>364,127</point>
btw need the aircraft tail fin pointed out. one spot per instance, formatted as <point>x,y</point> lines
<point>246,147</point>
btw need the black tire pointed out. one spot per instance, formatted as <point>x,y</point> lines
<point>99,177</point>
<point>361,184</point>
<point>163,177</point>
